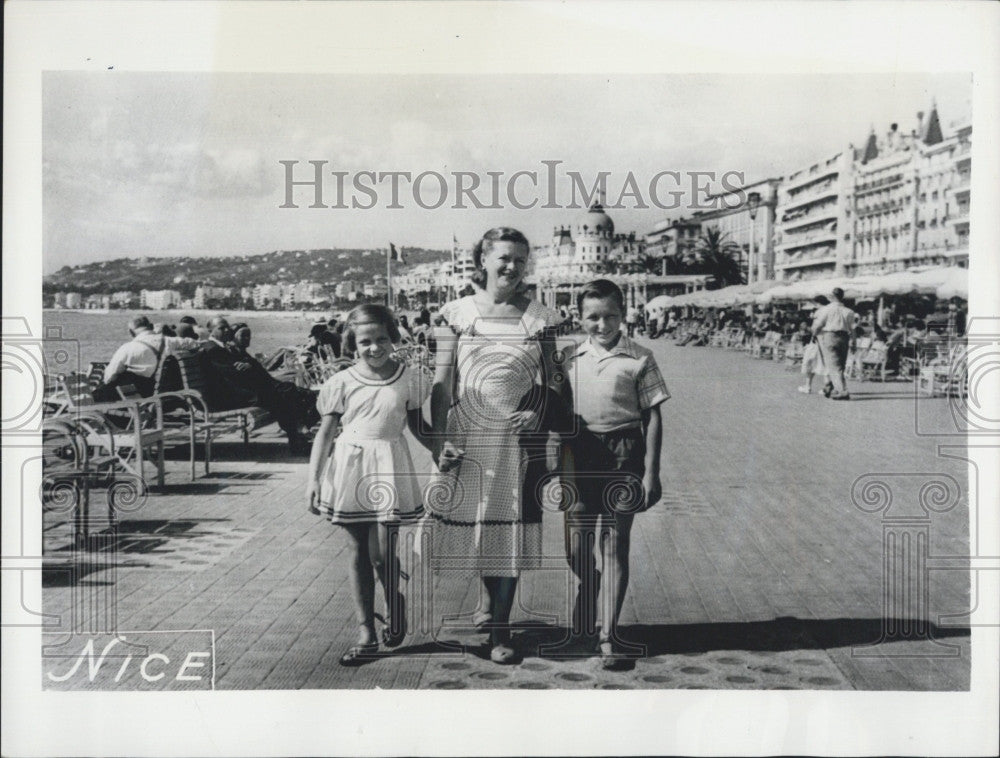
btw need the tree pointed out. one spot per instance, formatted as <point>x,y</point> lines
<point>717,254</point>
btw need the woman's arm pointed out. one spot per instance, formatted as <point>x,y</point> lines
<point>445,357</point>
<point>419,428</point>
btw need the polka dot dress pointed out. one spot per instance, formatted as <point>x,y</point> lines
<point>477,512</point>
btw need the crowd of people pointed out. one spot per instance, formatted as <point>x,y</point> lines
<point>809,327</point>
<point>234,378</point>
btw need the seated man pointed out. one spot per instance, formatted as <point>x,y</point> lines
<point>136,363</point>
<point>322,338</point>
<point>237,380</point>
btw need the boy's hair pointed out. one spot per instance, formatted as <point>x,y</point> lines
<point>369,313</point>
<point>598,290</point>
<point>499,234</point>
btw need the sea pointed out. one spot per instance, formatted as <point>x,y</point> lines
<point>74,339</point>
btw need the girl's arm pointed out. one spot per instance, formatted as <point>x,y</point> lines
<point>322,445</point>
<point>653,427</point>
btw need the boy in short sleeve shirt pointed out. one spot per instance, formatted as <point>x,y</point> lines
<point>617,389</point>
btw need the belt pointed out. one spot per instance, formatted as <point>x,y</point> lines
<point>836,331</point>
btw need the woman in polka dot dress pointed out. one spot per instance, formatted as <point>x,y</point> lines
<point>492,357</point>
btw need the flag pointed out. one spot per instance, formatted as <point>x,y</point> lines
<point>395,254</point>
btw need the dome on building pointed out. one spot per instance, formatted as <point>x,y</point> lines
<point>595,221</point>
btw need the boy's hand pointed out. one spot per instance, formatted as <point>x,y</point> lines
<point>447,456</point>
<point>653,489</point>
<point>312,498</point>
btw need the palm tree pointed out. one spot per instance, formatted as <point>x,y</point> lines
<point>717,254</point>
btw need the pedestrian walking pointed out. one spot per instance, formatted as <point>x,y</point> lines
<point>833,326</point>
<point>368,485</point>
<point>631,320</point>
<point>617,390</point>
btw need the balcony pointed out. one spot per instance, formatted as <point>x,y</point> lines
<point>804,179</point>
<point>961,185</point>
<point>826,192</point>
<point>787,265</point>
<point>961,216</point>
<point>825,214</point>
<point>807,240</point>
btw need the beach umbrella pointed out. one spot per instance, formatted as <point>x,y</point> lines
<point>660,302</point>
<point>955,284</point>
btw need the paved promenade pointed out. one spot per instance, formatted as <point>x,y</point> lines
<point>757,570</point>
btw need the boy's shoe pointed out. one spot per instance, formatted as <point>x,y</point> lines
<point>805,390</point>
<point>359,654</point>
<point>841,396</point>
<point>827,390</point>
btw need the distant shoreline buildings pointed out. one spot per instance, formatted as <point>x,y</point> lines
<point>900,201</point>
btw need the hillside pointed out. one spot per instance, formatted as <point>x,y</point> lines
<point>328,266</point>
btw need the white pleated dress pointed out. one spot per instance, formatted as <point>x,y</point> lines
<point>370,476</point>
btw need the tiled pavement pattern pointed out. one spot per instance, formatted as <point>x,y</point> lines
<point>755,571</point>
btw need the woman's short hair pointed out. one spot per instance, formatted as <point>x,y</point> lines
<point>186,330</point>
<point>369,313</point>
<point>598,290</point>
<point>499,234</point>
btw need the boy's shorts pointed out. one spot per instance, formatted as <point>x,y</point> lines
<point>609,467</point>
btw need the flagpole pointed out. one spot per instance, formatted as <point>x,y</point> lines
<point>388,277</point>
<point>452,286</point>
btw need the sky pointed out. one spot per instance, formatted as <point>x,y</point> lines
<point>188,164</point>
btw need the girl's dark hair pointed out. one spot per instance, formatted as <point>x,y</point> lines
<point>369,313</point>
<point>499,234</point>
<point>598,290</point>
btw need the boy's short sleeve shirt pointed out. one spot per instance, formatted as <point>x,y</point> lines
<point>611,389</point>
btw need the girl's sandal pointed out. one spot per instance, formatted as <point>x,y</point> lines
<point>359,654</point>
<point>392,638</point>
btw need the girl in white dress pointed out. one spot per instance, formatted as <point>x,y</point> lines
<point>368,486</point>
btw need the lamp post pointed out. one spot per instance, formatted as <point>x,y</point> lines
<point>753,202</point>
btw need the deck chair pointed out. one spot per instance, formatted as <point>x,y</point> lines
<point>71,468</point>
<point>133,428</point>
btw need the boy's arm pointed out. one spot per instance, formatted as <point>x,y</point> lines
<point>653,429</point>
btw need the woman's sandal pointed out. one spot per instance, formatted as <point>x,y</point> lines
<point>610,660</point>
<point>359,654</point>
<point>503,654</point>
<point>481,621</point>
<point>390,638</point>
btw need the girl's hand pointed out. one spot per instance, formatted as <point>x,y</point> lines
<point>653,489</point>
<point>525,421</point>
<point>312,498</point>
<point>447,456</point>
